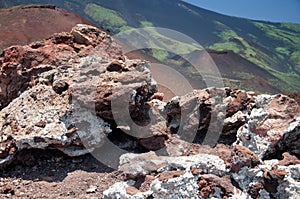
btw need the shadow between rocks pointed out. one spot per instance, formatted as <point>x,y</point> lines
<point>50,165</point>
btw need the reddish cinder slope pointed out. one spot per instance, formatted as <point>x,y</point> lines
<point>21,25</point>
<point>230,63</point>
<point>294,95</point>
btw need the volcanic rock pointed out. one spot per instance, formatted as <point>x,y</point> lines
<point>269,180</point>
<point>192,115</point>
<point>294,95</point>
<point>273,126</point>
<point>51,92</point>
<point>200,176</point>
<point>210,184</point>
<point>134,166</point>
<point>207,116</point>
<point>174,177</point>
<point>289,160</point>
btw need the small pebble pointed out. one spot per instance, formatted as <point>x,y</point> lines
<point>92,189</point>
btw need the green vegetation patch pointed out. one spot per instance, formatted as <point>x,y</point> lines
<point>282,50</point>
<point>231,41</point>
<point>109,19</point>
<point>295,57</point>
<point>145,24</point>
<point>290,38</point>
<point>160,44</point>
<point>289,81</point>
<point>228,41</point>
<point>226,46</point>
<point>159,54</point>
<point>291,26</point>
<point>220,26</point>
<point>243,75</point>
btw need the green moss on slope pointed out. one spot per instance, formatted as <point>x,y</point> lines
<point>110,19</point>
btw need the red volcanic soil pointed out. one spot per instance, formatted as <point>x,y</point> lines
<point>229,62</point>
<point>260,85</point>
<point>21,25</point>
<point>295,95</point>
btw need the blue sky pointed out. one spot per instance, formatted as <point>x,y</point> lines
<point>270,10</point>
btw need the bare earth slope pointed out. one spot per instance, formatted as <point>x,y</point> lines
<point>23,24</point>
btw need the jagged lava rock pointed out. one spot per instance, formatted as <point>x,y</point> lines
<point>22,65</point>
<point>234,157</point>
<point>172,180</point>
<point>209,115</point>
<point>134,165</point>
<point>195,176</point>
<point>273,126</point>
<point>206,176</point>
<point>267,125</point>
<point>269,180</point>
<point>53,93</point>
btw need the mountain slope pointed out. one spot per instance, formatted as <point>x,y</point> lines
<point>23,24</point>
<point>272,47</point>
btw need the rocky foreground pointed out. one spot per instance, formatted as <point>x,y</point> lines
<point>67,93</point>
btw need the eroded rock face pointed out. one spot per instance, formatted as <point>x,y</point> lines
<point>21,66</point>
<point>195,176</point>
<point>273,126</point>
<point>270,180</point>
<point>134,166</point>
<point>207,176</point>
<point>243,174</point>
<point>209,116</point>
<point>267,125</point>
<point>56,93</point>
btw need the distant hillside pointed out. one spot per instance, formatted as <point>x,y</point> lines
<point>263,56</point>
<point>23,24</point>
